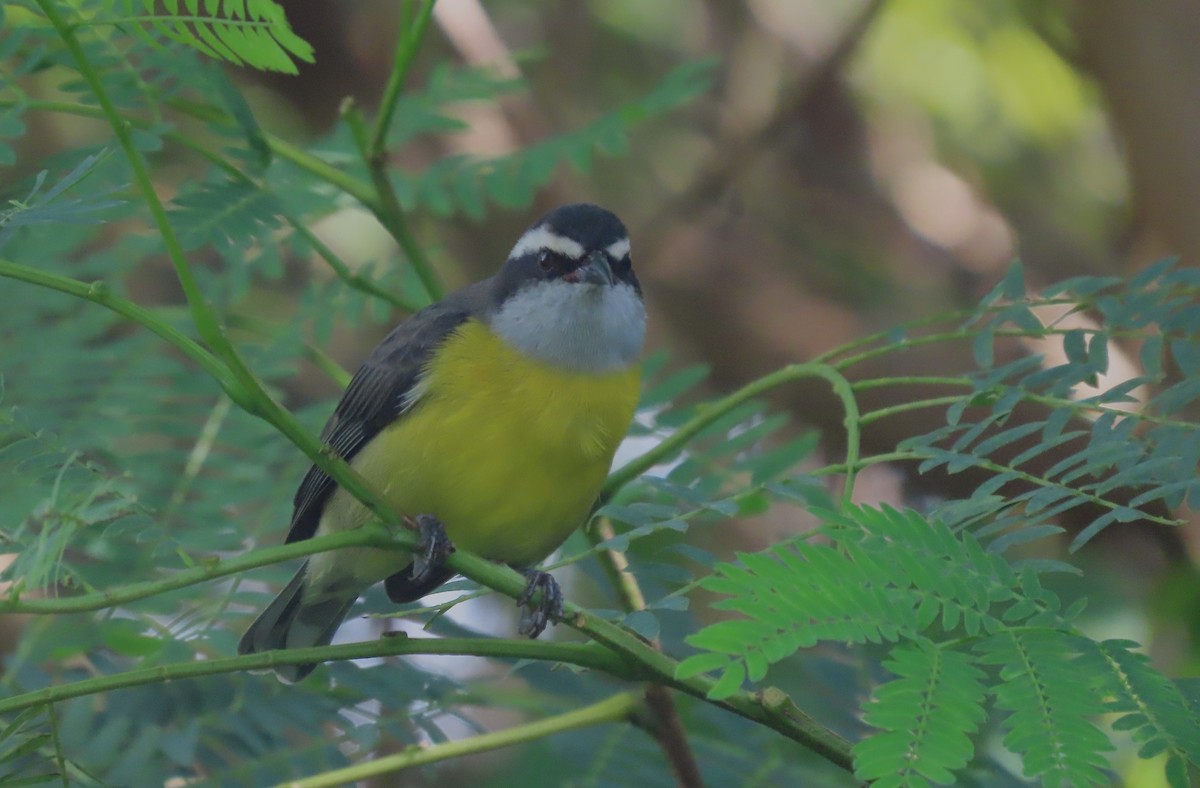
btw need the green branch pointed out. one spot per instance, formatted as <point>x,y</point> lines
<point>627,655</point>
<point>406,53</point>
<point>581,654</point>
<point>378,196</point>
<point>709,413</point>
<point>907,407</point>
<point>617,708</point>
<point>389,211</point>
<point>1079,405</point>
<point>339,266</point>
<point>374,152</point>
<point>668,730</point>
<point>203,317</point>
<point>215,21</point>
<point>351,186</point>
<point>313,165</point>
<point>100,293</point>
<point>255,401</point>
<point>349,277</point>
<point>661,668</point>
<point>963,334</point>
<point>331,174</point>
<point>888,337</point>
<point>273,330</point>
<point>370,535</point>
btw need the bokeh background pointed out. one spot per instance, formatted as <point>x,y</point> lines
<point>854,166</point>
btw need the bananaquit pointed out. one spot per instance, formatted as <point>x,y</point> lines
<point>490,418</point>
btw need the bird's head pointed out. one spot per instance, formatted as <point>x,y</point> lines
<point>567,294</point>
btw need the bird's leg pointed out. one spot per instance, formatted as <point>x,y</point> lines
<point>433,548</point>
<point>547,609</point>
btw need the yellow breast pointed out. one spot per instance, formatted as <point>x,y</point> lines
<point>507,452</point>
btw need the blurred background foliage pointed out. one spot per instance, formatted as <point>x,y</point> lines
<point>853,165</point>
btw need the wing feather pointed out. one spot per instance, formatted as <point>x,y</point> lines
<point>376,397</point>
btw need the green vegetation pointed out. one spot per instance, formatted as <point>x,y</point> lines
<point>146,450</point>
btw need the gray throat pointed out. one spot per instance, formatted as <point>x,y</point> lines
<point>572,326</point>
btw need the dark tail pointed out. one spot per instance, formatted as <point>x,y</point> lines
<point>290,621</point>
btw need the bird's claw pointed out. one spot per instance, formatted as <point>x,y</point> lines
<point>433,548</point>
<point>548,608</point>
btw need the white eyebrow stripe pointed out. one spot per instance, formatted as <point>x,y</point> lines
<point>544,238</point>
<point>618,249</point>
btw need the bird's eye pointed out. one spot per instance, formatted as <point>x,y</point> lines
<point>546,260</point>
<point>622,266</point>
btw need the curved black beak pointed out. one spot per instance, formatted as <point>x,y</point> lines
<point>596,269</point>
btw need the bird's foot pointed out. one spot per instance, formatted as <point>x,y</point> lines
<point>433,548</point>
<point>549,606</point>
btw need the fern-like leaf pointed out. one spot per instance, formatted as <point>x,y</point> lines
<point>53,206</point>
<point>950,574</point>
<point>62,495</point>
<point>1052,704</point>
<point>1151,706</point>
<point>29,753</point>
<point>251,32</point>
<point>889,575</point>
<point>1109,442</point>
<point>928,714</point>
<point>460,183</point>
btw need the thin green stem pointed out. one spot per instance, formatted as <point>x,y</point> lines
<point>389,212</point>
<point>1039,481</point>
<point>327,364</point>
<point>313,165</point>
<point>660,668</point>
<point>331,174</point>
<point>617,708</point>
<point>915,380</point>
<point>906,407</point>
<point>339,266</point>
<point>378,196</point>
<point>581,654</point>
<point>357,281</point>
<point>959,335</point>
<point>272,329</point>
<point>1027,396</point>
<point>60,759</point>
<point>371,535</point>
<point>374,152</point>
<point>100,293</point>
<point>896,334</point>
<point>203,317</point>
<point>393,219</point>
<point>667,728</point>
<point>710,412</point>
<point>874,459</point>
<point>406,53</point>
<point>197,456</point>
<point>255,401</point>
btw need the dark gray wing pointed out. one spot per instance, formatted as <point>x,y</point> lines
<point>375,396</point>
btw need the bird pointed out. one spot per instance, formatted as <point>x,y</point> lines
<point>489,419</point>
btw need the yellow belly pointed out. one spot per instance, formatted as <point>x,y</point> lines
<point>508,453</point>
